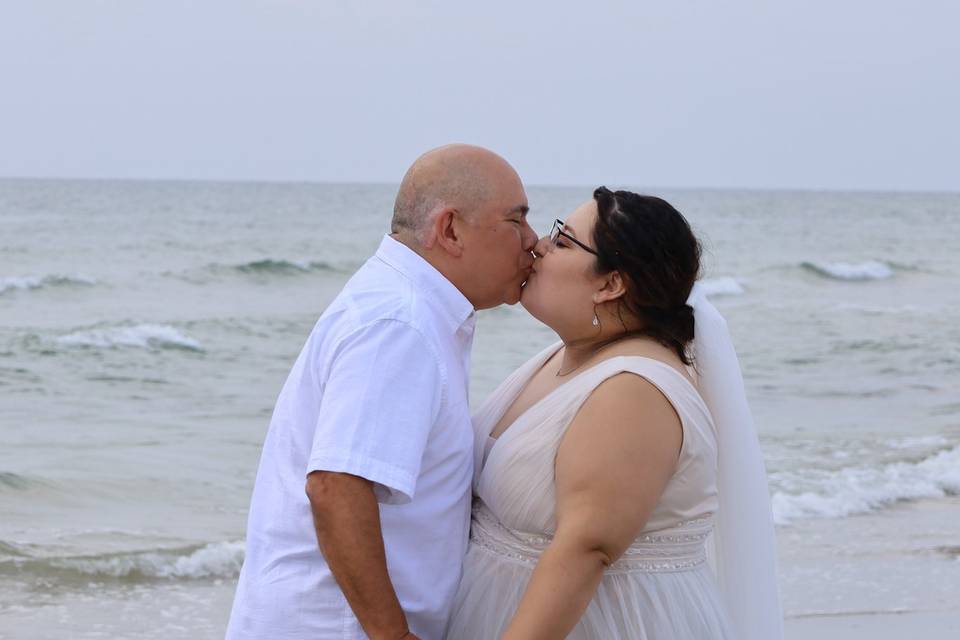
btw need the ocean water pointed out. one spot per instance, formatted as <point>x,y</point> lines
<point>146,329</point>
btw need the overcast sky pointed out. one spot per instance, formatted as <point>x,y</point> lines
<point>835,94</point>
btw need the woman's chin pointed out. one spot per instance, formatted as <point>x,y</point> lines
<point>524,290</point>
<point>527,298</point>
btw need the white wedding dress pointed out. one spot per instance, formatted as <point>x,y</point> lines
<point>661,589</point>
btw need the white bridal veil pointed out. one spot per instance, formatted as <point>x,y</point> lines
<point>742,548</point>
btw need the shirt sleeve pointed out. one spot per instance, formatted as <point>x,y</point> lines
<point>381,398</point>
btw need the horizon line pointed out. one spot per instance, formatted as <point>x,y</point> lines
<point>295,181</point>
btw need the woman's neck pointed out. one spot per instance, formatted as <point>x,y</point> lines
<point>576,353</point>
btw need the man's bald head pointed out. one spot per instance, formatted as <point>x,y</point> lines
<point>457,176</point>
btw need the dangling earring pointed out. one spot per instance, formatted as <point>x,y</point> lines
<point>596,320</point>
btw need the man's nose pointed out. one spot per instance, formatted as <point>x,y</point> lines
<point>529,237</point>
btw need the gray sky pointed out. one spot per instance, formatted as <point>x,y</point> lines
<point>830,94</point>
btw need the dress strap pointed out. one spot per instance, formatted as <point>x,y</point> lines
<point>681,393</point>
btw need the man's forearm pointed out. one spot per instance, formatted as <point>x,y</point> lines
<point>346,517</point>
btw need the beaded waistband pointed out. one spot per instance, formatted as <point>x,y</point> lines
<point>676,549</point>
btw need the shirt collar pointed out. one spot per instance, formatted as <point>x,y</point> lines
<point>454,306</point>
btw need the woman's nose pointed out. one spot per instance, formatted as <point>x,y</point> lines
<point>542,247</point>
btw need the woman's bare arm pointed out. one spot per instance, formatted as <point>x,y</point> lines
<point>612,466</point>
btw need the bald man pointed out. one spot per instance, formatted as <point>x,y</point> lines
<point>360,513</point>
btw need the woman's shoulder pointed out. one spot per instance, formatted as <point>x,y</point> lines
<point>626,413</point>
<point>650,350</point>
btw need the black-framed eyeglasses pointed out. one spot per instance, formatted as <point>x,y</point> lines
<point>557,230</point>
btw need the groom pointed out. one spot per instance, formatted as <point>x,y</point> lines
<point>360,513</point>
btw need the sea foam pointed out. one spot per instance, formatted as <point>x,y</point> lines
<point>855,490</point>
<point>850,271</point>
<point>144,336</point>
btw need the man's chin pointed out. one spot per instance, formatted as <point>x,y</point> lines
<point>514,296</point>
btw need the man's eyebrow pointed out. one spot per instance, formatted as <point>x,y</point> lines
<point>522,209</point>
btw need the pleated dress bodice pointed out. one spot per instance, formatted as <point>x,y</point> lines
<point>516,481</point>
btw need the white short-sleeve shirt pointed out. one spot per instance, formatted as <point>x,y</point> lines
<point>378,391</point>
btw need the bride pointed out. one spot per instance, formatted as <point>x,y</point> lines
<point>620,492</point>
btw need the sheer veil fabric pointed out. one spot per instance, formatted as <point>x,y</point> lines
<point>742,549</point>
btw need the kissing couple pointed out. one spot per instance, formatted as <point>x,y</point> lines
<point>611,488</point>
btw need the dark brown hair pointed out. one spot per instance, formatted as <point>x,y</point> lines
<point>653,247</point>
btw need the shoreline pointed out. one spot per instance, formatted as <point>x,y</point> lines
<point>874,625</point>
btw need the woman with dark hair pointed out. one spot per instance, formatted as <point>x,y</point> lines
<point>611,465</point>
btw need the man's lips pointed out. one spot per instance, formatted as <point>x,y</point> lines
<point>528,273</point>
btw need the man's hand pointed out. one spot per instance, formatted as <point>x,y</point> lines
<point>346,517</point>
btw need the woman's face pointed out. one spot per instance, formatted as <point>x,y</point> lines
<point>559,291</point>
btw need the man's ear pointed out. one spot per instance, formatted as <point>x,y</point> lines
<point>613,287</point>
<point>446,231</point>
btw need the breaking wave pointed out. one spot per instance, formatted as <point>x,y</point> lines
<point>143,336</point>
<point>716,287</point>
<point>42,282</point>
<point>9,480</point>
<point>270,266</point>
<point>854,490</point>
<point>215,560</point>
<point>851,271</point>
